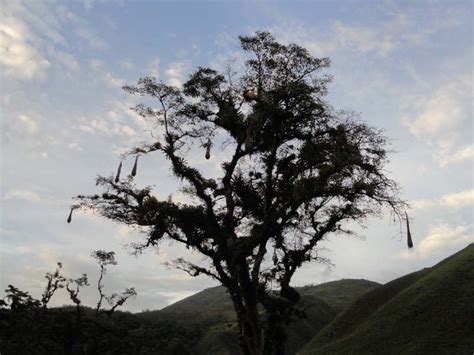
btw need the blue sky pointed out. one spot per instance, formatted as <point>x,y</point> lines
<point>405,66</point>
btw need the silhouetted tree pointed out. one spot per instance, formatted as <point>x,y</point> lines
<point>115,300</point>
<point>55,282</point>
<point>105,258</point>
<point>18,300</point>
<point>293,171</point>
<point>74,291</point>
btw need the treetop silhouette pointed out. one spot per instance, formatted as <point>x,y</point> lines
<point>297,171</point>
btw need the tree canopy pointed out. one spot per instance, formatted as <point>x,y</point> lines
<point>294,171</point>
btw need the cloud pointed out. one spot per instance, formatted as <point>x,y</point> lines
<point>444,236</point>
<point>441,239</point>
<point>396,28</point>
<point>105,127</point>
<point>22,194</point>
<point>362,38</point>
<point>28,125</point>
<point>19,57</point>
<point>95,64</point>
<point>440,114</point>
<point>455,200</point>
<point>154,67</point>
<point>460,199</point>
<point>32,40</point>
<point>86,33</point>
<point>22,127</point>
<point>441,118</point>
<point>23,133</point>
<point>65,59</point>
<point>175,73</point>
<point>446,157</point>
<point>123,108</point>
<point>113,81</point>
<point>75,146</point>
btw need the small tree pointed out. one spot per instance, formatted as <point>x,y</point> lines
<point>115,300</point>
<point>295,171</point>
<point>74,291</point>
<point>55,282</point>
<point>19,301</point>
<point>105,258</point>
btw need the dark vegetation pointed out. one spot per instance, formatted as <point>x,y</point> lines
<point>29,327</point>
<point>294,171</point>
<point>204,323</point>
<point>426,312</point>
<point>317,302</point>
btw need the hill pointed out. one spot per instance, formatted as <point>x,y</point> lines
<point>427,312</point>
<point>339,294</point>
<point>213,309</point>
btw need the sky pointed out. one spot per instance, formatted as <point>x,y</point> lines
<point>404,66</point>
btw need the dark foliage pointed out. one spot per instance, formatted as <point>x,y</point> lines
<point>200,324</point>
<point>298,169</point>
<point>27,326</point>
<point>427,312</point>
<point>59,331</point>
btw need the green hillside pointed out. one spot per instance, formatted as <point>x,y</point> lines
<point>339,294</point>
<point>209,307</point>
<point>212,309</point>
<point>427,312</point>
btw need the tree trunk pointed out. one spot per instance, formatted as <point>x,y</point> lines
<point>250,331</point>
<point>275,334</point>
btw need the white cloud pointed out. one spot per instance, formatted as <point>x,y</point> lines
<point>460,199</point>
<point>75,146</point>
<point>50,256</point>
<point>444,236</point>
<point>32,41</point>
<point>442,239</point>
<point>28,125</point>
<point>93,40</point>
<point>124,108</point>
<point>455,200</point>
<point>440,114</point>
<point>22,132</point>
<point>22,194</point>
<point>446,157</point>
<point>65,59</point>
<point>104,127</point>
<point>441,120</point>
<point>127,65</point>
<point>175,73</point>
<point>18,55</point>
<point>362,38</point>
<point>113,81</point>
<point>95,64</point>
<point>397,28</point>
<point>423,204</point>
<point>155,67</point>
